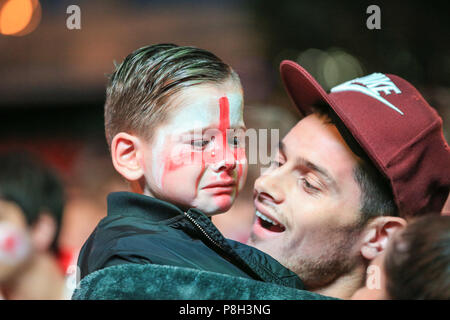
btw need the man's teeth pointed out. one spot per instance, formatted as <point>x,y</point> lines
<point>259,214</point>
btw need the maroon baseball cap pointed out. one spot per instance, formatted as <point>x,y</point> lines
<point>394,125</point>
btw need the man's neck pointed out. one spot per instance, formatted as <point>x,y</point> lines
<point>345,286</point>
<point>40,279</point>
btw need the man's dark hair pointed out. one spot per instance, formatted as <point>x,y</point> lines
<point>139,88</point>
<point>377,198</point>
<point>33,186</point>
<point>417,263</point>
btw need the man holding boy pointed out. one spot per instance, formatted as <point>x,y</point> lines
<point>363,160</point>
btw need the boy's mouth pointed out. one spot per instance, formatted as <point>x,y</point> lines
<point>223,186</point>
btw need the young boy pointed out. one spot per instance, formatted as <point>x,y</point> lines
<point>174,123</point>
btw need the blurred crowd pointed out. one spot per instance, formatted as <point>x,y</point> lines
<point>44,221</point>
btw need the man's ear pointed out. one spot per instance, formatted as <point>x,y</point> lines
<point>377,235</point>
<point>127,156</point>
<point>43,232</point>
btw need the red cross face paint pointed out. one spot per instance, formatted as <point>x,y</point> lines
<point>14,245</point>
<point>197,158</point>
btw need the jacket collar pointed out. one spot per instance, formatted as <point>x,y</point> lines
<point>142,206</point>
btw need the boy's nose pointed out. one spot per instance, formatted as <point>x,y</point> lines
<point>227,163</point>
<point>225,159</point>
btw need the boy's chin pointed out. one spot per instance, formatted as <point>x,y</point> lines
<point>217,205</point>
<point>213,212</point>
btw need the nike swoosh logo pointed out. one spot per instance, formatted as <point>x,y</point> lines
<point>359,88</point>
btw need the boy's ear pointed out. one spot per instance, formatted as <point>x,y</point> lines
<point>127,156</point>
<point>43,232</point>
<point>377,235</point>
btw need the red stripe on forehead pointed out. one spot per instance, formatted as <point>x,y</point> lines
<point>224,114</point>
<point>224,120</point>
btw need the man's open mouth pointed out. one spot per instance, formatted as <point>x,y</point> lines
<point>269,223</point>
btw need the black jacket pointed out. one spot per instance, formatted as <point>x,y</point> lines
<point>140,229</point>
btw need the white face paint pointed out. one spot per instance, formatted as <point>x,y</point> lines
<point>15,245</point>
<point>197,157</point>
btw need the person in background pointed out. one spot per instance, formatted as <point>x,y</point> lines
<point>92,179</point>
<point>415,265</point>
<point>31,207</point>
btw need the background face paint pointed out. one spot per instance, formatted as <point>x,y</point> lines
<point>180,171</point>
<point>14,245</point>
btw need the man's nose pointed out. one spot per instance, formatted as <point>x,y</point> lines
<point>268,187</point>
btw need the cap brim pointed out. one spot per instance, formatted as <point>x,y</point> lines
<point>303,89</point>
<point>306,92</point>
<point>412,156</point>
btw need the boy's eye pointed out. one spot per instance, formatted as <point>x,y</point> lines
<point>236,141</point>
<point>275,164</point>
<point>199,143</point>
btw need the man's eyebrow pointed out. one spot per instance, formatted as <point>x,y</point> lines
<point>308,164</point>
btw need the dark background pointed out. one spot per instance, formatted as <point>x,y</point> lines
<point>52,80</point>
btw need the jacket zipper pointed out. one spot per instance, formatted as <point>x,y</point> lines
<point>255,274</point>
<point>202,230</point>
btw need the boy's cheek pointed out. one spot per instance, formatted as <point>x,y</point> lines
<point>241,166</point>
<point>172,159</point>
<point>181,157</point>
<point>242,175</point>
<point>178,186</point>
